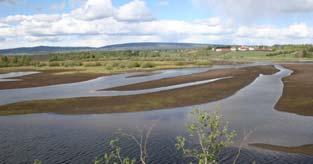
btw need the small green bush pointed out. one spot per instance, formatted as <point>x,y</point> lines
<point>54,64</point>
<point>148,65</point>
<point>92,64</point>
<point>203,63</point>
<point>71,64</point>
<point>211,136</point>
<point>133,65</point>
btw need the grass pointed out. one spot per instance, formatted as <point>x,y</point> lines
<point>111,67</point>
<point>122,61</point>
<point>259,56</point>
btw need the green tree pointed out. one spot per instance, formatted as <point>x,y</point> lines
<point>210,133</point>
<point>26,60</point>
<point>4,61</point>
<point>15,60</point>
<point>304,53</point>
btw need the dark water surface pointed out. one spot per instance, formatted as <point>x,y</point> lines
<point>79,139</point>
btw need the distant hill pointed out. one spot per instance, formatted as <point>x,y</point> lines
<point>151,46</point>
<point>116,47</point>
<point>41,50</point>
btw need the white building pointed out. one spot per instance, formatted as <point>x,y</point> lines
<point>251,48</point>
<point>243,48</point>
<point>233,49</point>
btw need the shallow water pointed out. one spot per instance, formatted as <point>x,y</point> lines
<point>9,76</point>
<point>91,88</point>
<point>79,139</point>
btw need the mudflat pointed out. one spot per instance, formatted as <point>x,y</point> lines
<point>298,90</point>
<point>231,72</point>
<point>48,77</point>
<point>303,149</point>
<point>187,96</point>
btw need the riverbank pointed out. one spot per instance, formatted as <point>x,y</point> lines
<point>63,75</point>
<point>187,96</point>
<point>303,149</point>
<point>48,77</point>
<point>297,96</point>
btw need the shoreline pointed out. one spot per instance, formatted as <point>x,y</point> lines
<point>303,149</point>
<point>187,96</point>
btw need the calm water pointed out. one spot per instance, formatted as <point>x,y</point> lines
<point>9,76</point>
<point>79,139</point>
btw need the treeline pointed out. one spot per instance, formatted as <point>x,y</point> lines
<point>161,55</point>
<point>7,61</point>
<point>300,51</point>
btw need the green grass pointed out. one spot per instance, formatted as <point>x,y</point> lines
<point>121,61</point>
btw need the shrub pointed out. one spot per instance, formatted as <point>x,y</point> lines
<point>148,65</point>
<point>71,64</point>
<point>211,135</point>
<point>54,64</point>
<point>109,67</point>
<point>41,64</point>
<point>307,54</point>
<point>133,65</point>
<point>92,64</point>
<point>115,64</point>
<point>203,63</point>
<point>114,156</point>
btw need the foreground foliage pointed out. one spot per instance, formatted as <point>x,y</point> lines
<point>210,133</point>
<point>114,156</point>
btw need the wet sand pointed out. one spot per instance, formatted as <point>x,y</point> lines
<point>48,77</point>
<point>298,90</point>
<point>304,149</point>
<point>160,100</point>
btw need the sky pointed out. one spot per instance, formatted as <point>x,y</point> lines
<point>95,23</point>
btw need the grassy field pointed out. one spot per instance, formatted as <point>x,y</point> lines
<point>121,61</point>
<point>259,56</point>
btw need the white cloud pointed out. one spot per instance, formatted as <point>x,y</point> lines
<point>94,9</point>
<point>92,25</point>
<point>254,9</point>
<point>134,11</point>
<point>298,33</point>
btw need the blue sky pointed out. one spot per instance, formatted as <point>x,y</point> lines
<point>102,22</point>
